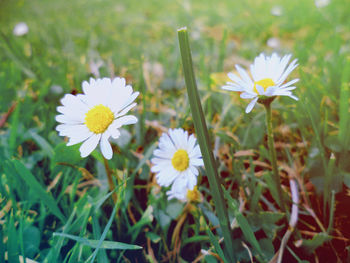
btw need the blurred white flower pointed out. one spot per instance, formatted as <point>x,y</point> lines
<point>176,161</point>
<point>95,67</point>
<point>273,42</point>
<point>276,10</point>
<point>56,89</point>
<point>269,74</point>
<point>322,3</point>
<point>96,115</point>
<point>20,29</point>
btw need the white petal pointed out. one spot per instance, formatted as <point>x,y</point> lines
<point>260,90</point>
<point>165,143</point>
<point>246,95</point>
<point>196,162</point>
<point>251,105</point>
<point>167,176</point>
<point>194,170</point>
<point>67,119</point>
<point>75,140</point>
<point>178,195</point>
<point>270,91</point>
<point>233,88</point>
<point>234,78</point>
<point>190,143</point>
<point>159,166</point>
<point>163,154</point>
<point>290,68</point>
<point>73,130</point>
<point>64,127</point>
<point>289,88</point>
<point>293,97</point>
<point>191,180</point>
<point>106,147</point>
<point>196,152</point>
<point>125,120</point>
<point>71,100</point>
<point>244,75</point>
<point>289,83</point>
<point>180,182</point>
<point>124,111</point>
<point>89,145</point>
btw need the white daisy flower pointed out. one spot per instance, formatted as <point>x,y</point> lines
<point>20,29</point>
<point>97,114</point>
<point>176,161</point>
<point>269,75</point>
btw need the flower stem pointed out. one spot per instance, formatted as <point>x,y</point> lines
<point>110,180</point>
<point>273,155</point>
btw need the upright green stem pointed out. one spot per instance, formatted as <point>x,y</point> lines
<point>112,186</point>
<point>110,180</point>
<point>204,143</point>
<point>273,155</point>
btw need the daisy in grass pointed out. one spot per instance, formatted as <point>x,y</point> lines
<point>269,76</point>
<point>176,161</point>
<point>97,114</point>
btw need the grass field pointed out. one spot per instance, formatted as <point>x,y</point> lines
<point>57,207</point>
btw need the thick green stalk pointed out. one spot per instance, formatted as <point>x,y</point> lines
<point>204,143</point>
<point>273,155</point>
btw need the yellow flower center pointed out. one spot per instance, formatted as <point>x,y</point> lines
<point>180,160</point>
<point>194,195</point>
<point>265,83</point>
<point>99,118</point>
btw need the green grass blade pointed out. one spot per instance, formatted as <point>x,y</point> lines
<point>2,246</point>
<point>204,143</point>
<point>54,252</point>
<point>331,212</point>
<point>344,104</point>
<point>37,189</point>
<point>109,223</point>
<point>43,144</point>
<point>14,128</point>
<point>12,245</point>
<point>95,243</point>
<point>96,230</point>
<point>243,223</point>
<point>216,244</point>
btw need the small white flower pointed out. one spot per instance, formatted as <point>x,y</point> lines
<point>96,115</point>
<point>273,42</point>
<point>269,75</point>
<point>322,3</point>
<point>20,29</point>
<point>276,10</point>
<point>176,161</point>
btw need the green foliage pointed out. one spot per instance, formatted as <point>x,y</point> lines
<point>96,243</point>
<point>48,193</point>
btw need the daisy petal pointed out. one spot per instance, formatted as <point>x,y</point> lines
<point>251,105</point>
<point>89,145</point>
<point>246,95</point>
<point>106,147</point>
